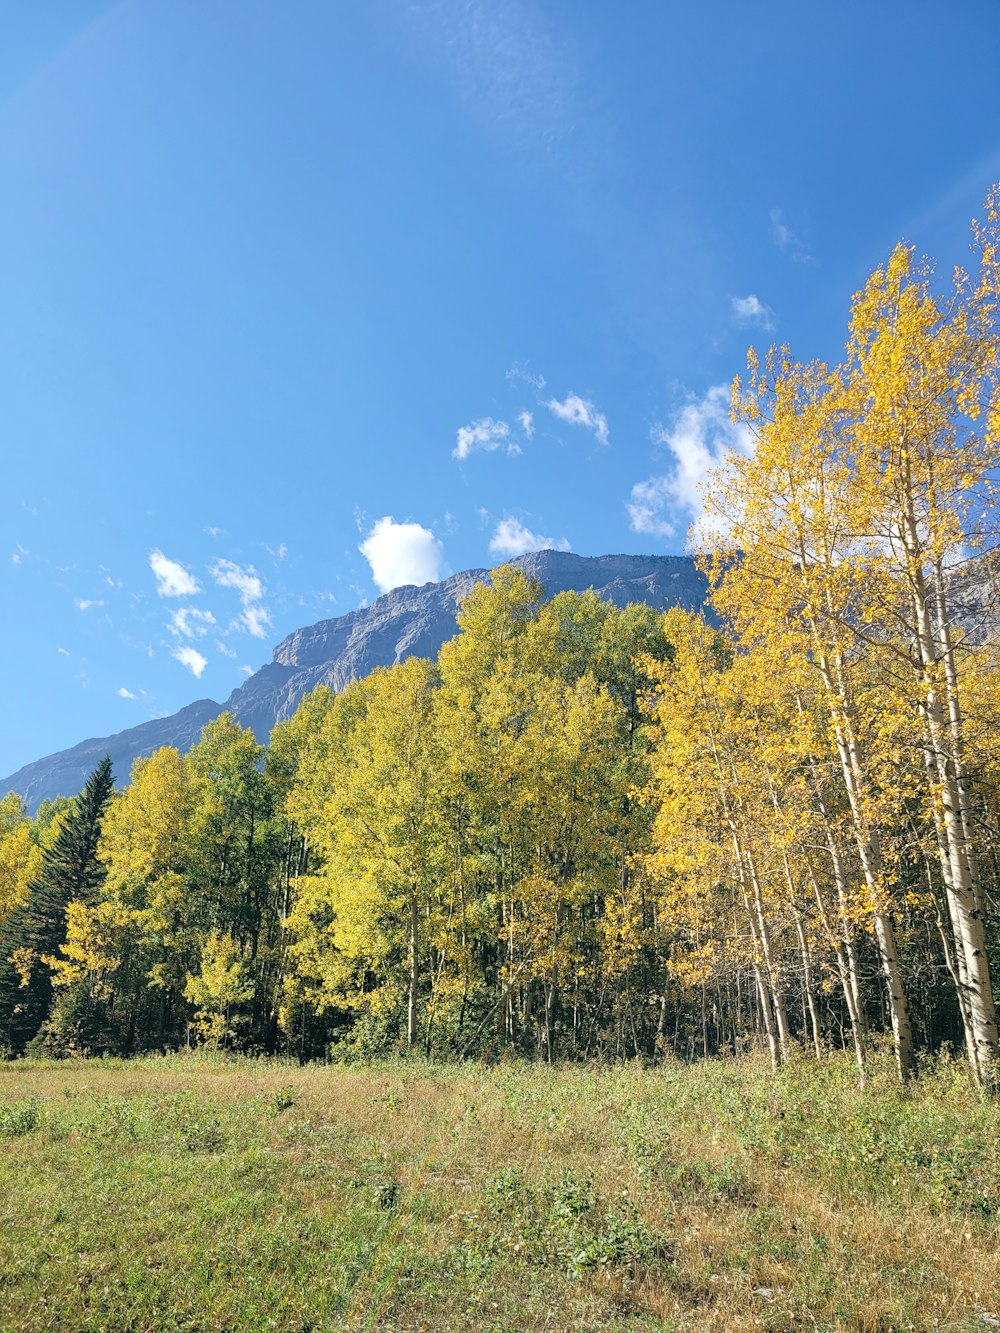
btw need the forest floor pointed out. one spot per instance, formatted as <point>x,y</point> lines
<point>197,1193</point>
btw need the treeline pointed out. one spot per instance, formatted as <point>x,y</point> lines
<point>444,855</point>
<point>595,832</point>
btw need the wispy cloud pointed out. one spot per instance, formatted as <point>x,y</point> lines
<point>255,620</point>
<point>511,67</point>
<point>577,411</point>
<point>192,659</point>
<point>485,435</point>
<point>512,538</point>
<point>172,579</point>
<point>786,239</point>
<point>247,582</point>
<point>519,371</point>
<point>19,554</point>
<point>752,310</point>
<point>225,649</point>
<point>123,693</point>
<point>64,652</point>
<point>85,603</point>
<point>277,553</point>
<point>526,420</point>
<point>697,440</point>
<point>401,553</point>
<point>190,623</point>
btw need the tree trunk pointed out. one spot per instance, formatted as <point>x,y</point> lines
<point>414,971</point>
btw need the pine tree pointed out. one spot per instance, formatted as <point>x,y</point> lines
<point>71,872</point>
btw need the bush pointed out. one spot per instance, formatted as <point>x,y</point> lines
<point>81,1023</point>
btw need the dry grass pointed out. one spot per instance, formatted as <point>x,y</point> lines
<point>191,1193</point>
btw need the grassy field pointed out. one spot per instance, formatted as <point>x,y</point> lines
<point>195,1193</point>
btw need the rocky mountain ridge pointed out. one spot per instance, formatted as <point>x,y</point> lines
<point>406,622</point>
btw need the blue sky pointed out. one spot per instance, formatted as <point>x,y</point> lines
<point>300,301</point>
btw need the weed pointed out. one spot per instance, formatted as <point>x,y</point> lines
<point>283,1099</point>
<point>176,1193</point>
<point>19,1118</point>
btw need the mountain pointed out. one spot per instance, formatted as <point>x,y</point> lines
<point>405,622</point>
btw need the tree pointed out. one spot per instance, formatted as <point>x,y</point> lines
<point>237,840</point>
<point>152,920</point>
<point>868,491</point>
<point>70,872</point>
<point>20,855</point>
<point>366,926</point>
<point>220,986</point>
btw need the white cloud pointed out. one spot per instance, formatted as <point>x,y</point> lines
<point>123,693</point>
<point>228,574</point>
<point>401,553</point>
<point>781,235</point>
<point>485,434</point>
<point>646,507</point>
<point>192,659</point>
<point>579,411</point>
<point>19,554</point>
<point>172,579</point>
<point>213,532</point>
<point>85,603</point>
<point>527,422</point>
<point>698,440</point>
<point>277,553</point>
<point>247,670</point>
<point>255,619</point>
<point>224,649</point>
<point>786,239</point>
<point>190,623</point>
<point>519,371</point>
<point>750,309</point>
<point>63,651</point>
<point>512,538</point>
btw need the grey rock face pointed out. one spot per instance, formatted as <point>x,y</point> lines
<point>405,622</point>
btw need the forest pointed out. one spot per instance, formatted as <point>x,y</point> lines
<point>586,832</point>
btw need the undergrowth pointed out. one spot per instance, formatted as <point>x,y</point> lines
<point>200,1193</point>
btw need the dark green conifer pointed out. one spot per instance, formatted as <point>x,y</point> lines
<point>70,872</point>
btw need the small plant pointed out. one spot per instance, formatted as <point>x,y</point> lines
<point>19,1118</point>
<point>283,1099</point>
<point>572,1198</point>
<point>506,1189</point>
<point>202,1133</point>
<point>387,1195</point>
<point>115,1118</point>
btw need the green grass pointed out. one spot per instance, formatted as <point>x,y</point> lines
<point>196,1193</point>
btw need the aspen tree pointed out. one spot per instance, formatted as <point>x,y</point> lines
<point>786,573</point>
<point>921,380</point>
<point>363,922</point>
<point>20,856</point>
<point>153,920</point>
<point>703,758</point>
<point>868,494</point>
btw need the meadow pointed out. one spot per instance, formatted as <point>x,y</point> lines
<point>197,1192</point>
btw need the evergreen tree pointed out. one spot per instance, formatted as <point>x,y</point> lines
<point>71,872</point>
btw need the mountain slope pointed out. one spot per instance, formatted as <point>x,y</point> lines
<point>405,622</point>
